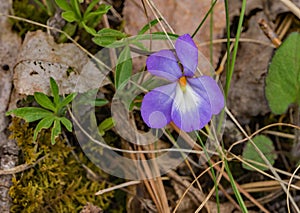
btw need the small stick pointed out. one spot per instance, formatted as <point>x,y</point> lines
<point>122,185</point>
<point>269,33</point>
<point>293,8</point>
<point>20,168</point>
<point>285,26</point>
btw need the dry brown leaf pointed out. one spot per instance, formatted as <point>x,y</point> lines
<point>246,98</point>
<point>272,8</point>
<point>277,7</point>
<point>183,16</point>
<point>189,201</point>
<point>41,58</point>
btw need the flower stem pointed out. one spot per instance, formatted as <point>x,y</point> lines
<point>211,29</point>
<point>205,17</point>
<point>230,66</point>
<point>211,169</point>
<point>229,72</point>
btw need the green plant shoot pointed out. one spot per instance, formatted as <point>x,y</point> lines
<point>52,113</point>
<point>88,19</point>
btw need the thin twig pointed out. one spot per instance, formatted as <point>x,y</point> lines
<point>279,134</point>
<point>21,168</point>
<point>269,33</point>
<point>119,186</point>
<point>60,31</point>
<point>262,156</point>
<point>288,189</point>
<point>293,8</point>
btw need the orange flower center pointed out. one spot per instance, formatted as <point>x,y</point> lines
<point>182,83</point>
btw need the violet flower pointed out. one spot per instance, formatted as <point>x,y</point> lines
<point>188,101</point>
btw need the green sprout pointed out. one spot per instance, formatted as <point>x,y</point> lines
<point>88,19</point>
<point>52,113</point>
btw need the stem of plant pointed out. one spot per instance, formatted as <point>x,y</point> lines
<point>230,66</point>
<point>205,17</point>
<point>229,73</point>
<point>211,169</point>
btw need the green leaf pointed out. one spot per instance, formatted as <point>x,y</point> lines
<point>283,79</point>
<point>55,90</point>
<point>265,145</point>
<point>92,15</point>
<point>100,102</point>
<point>148,26</point>
<point>124,67</point>
<point>88,29</point>
<point>107,36</point>
<point>45,123</point>
<point>76,8</point>
<point>68,99</point>
<point>63,4</point>
<point>135,40</point>
<point>90,7</point>
<point>105,125</point>
<point>30,114</point>
<point>56,130</point>
<point>69,16</point>
<point>103,9</point>
<point>67,123</point>
<point>70,29</point>
<point>89,98</point>
<point>44,101</point>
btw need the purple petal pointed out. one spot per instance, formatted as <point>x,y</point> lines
<point>187,53</point>
<point>189,110</point>
<point>207,87</point>
<point>156,106</point>
<point>164,64</point>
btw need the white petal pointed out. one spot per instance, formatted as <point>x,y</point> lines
<point>186,101</point>
<point>189,110</point>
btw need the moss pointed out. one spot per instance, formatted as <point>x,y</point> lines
<point>57,182</point>
<point>27,10</point>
